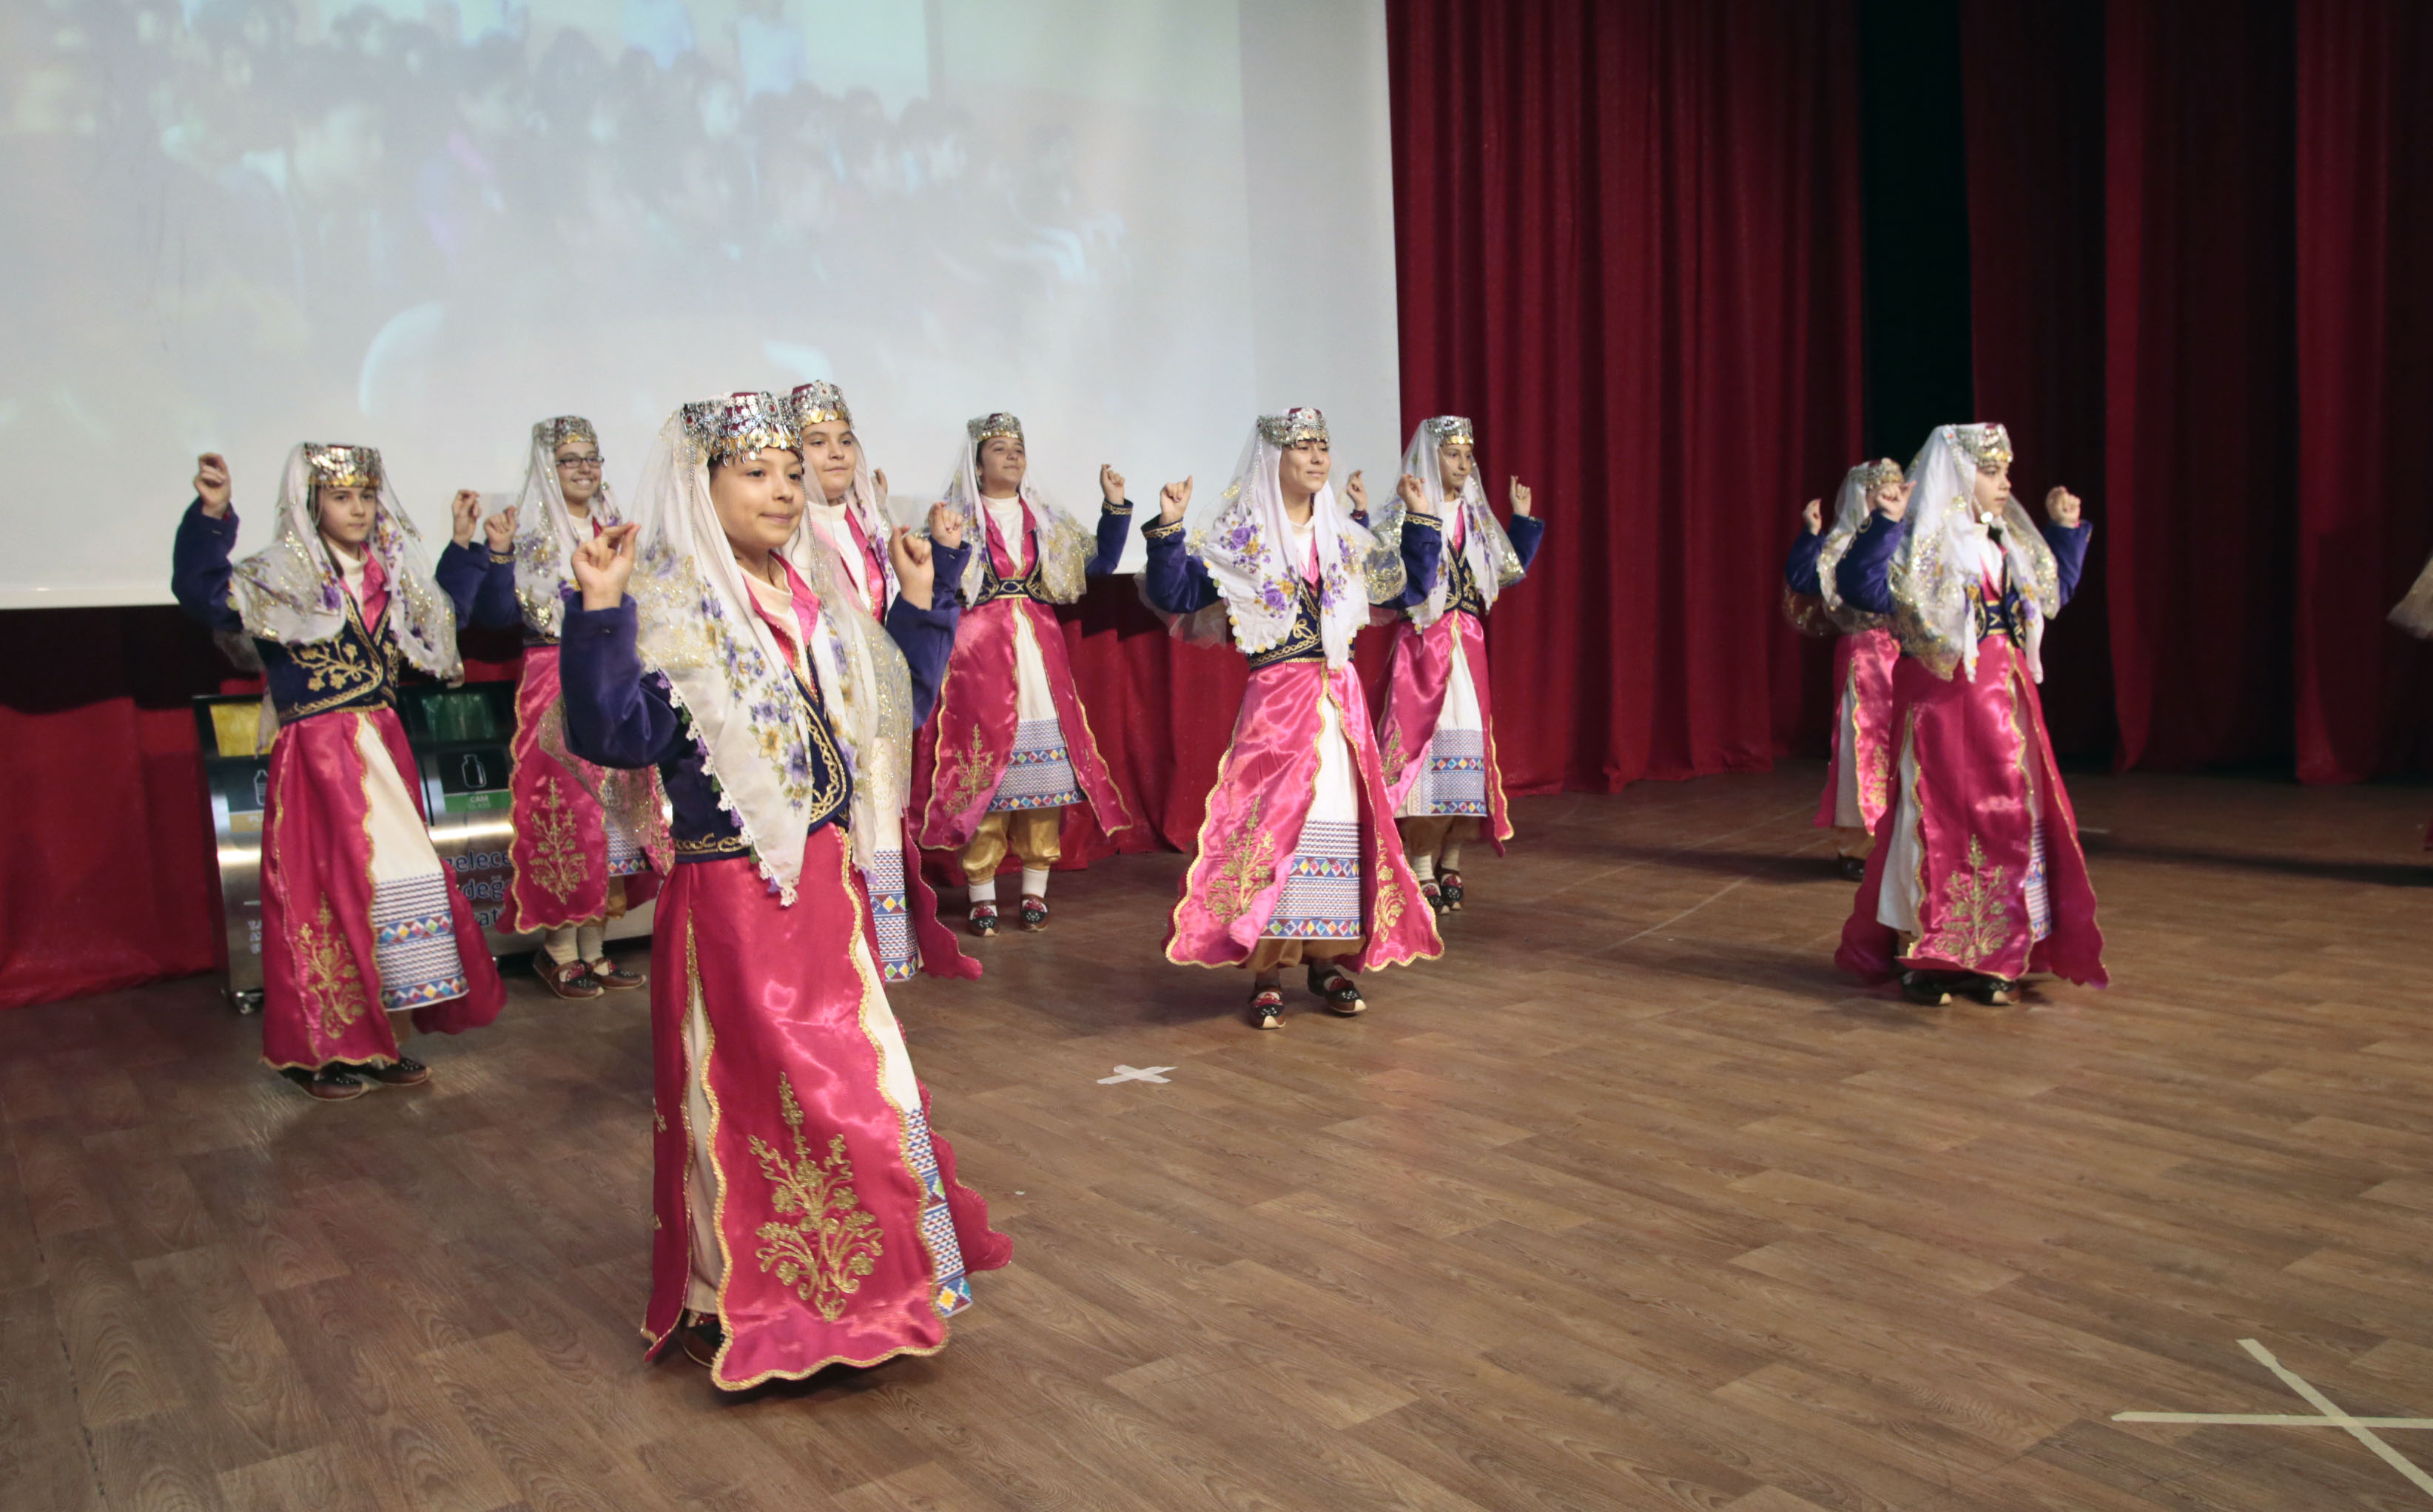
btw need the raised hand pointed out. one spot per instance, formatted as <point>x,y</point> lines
<point>1357,492</point>
<point>466,508</point>
<point>1110,485</point>
<point>1522,498</point>
<point>1894,503</point>
<point>2061,507</point>
<point>878,486</point>
<point>1415,498</point>
<point>1812,516</point>
<point>602,564</point>
<point>1172,500</point>
<point>947,525</point>
<point>211,483</point>
<point>916,573</point>
<point>500,529</point>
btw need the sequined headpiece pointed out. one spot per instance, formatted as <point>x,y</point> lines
<point>987,426</point>
<point>1873,475</point>
<point>342,466</point>
<point>739,424</point>
<point>1989,445</point>
<point>1293,427</point>
<point>555,432</point>
<point>1452,428</point>
<point>816,403</point>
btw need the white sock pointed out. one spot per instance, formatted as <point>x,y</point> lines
<point>592,941</point>
<point>1034,882</point>
<point>559,943</point>
<point>1424,867</point>
<point>1451,859</point>
<point>983,890</point>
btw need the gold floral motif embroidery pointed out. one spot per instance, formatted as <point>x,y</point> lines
<point>1389,905</point>
<point>1246,868</point>
<point>1394,758</point>
<point>977,781</point>
<point>1876,778</point>
<point>556,860</point>
<point>332,664</point>
<point>326,975</point>
<point>1977,921</point>
<point>832,1242</point>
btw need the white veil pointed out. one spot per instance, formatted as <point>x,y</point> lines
<point>820,401</point>
<point>1064,547</point>
<point>1494,566</point>
<point>1936,564</point>
<point>1242,536</point>
<point>724,670</point>
<point>546,534</point>
<point>290,591</point>
<point>2414,613</point>
<point>1851,511</point>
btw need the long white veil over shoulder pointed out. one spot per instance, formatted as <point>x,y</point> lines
<point>1243,537</point>
<point>546,532</point>
<point>290,590</point>
<point>1486,548</point>
<point>1939,562</point>
<point>724,669</point>
<point>1065,544</point>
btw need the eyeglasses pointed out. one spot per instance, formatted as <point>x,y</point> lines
<point>592,463</point>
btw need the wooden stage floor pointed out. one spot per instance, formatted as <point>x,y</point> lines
<point>1631,1201</point>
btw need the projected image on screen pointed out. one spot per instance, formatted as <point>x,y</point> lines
<point>240,223</point>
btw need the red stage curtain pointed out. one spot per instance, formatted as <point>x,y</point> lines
<point>106,874</point>
<point>1628,241</point>
<point>2034,105</point>
<point>2199,505</point>
<point>2365,382</point>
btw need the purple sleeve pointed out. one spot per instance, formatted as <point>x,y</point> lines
<point>1800,571</point>
<point>946,566</point>
<point>1423,560</point>
<point>1528,533</point>
<point>615,716</point>
<point>199,571</point>
<point>495,606</point>
<point>2069,553</point>
<point>926,637</point>
<point>1115,528</point>
<point>1865,577</point>
<point>1176,584</point>
<point>464,573</point>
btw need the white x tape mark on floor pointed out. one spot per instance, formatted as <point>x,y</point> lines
<point>1133,1073</point>
<point>2328,1414</point>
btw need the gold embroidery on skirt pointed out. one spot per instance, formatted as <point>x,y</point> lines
<point>556,861</point>
<point>326,975</point>
<point>1389,905</point>
<point>1247,868</point>
<point>832,1242</point>
<point>1978,921</point>
<point>1395,759</point>
<point>977,781</point>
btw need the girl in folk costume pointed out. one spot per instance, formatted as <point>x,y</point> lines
<point>1012,747</point>
<point>1976,878</point>
<point>587,838</point>
<point>844,528</point>
<point>1436,730</point>
<point>1295,863</point>
<point>1857,780</point>
<point>804,1214</point>
<point>359,917</point>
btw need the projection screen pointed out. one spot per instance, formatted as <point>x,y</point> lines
<point>237,223</point>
